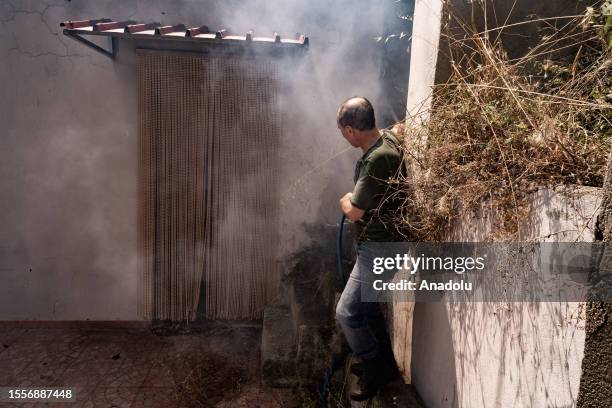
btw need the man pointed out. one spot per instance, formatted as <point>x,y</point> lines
<point>371,206</point>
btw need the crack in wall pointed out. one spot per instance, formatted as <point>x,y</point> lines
<point>16,11</point>
<point>17,49</point>
<point>58,34</point>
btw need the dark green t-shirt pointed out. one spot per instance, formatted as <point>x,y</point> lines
<point>373,192</point>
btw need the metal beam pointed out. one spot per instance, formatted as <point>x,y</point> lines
<point>112,53</point>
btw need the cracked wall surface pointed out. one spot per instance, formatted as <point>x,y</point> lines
<point>69,148</point>
<point>67,170</point>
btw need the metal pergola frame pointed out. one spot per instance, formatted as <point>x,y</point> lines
<point>153,36</point>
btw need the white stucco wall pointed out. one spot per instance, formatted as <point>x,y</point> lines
<point>67,171</point>
<point>493,354</point>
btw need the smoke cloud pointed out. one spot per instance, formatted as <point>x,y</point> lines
<point>70,141</point>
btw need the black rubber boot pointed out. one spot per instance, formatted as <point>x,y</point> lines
<point>391,371</point>
<point>369,381</point>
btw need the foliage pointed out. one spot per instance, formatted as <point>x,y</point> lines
<point>500,128</point>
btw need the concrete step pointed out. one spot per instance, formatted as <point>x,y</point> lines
<point>278,347</point>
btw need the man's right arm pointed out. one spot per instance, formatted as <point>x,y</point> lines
<point>353,212</point>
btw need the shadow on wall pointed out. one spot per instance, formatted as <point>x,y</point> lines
<point>524,354</point>
<point>492,352</point>
<point>435,361</point>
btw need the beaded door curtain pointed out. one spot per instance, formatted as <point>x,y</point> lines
<point>209,135</point>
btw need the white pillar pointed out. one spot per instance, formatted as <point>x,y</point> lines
<point>423,59</point>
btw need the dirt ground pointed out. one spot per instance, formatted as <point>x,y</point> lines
<point>216,365</point>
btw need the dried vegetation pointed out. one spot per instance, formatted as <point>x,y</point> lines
<point>502,127</point>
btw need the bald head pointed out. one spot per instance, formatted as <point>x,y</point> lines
<point>356,112</point>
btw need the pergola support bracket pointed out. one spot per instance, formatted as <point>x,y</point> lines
<point>112,53</point>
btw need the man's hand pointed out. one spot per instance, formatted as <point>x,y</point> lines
<point>352,212</point>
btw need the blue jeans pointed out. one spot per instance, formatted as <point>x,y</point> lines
<point>363,323</point>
